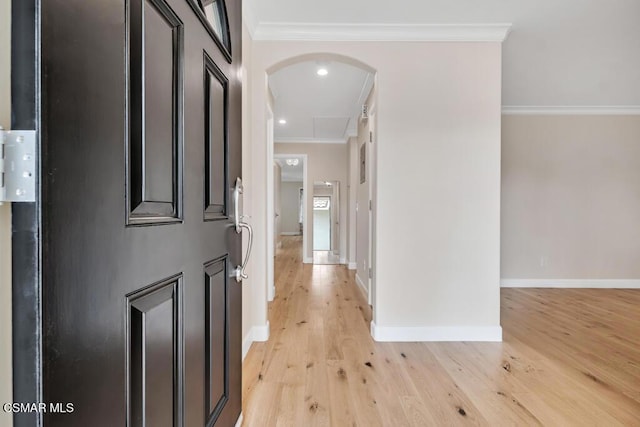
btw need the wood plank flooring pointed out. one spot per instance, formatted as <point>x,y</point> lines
<point>569,358</point>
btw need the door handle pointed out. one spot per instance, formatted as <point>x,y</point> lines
<point>237,191</point>
<point>239,273</point>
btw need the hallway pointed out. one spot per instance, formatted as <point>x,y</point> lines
<point>569,357</point>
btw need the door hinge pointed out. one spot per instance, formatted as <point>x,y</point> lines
<point>17,165</point>
<point>370,273</point>
<point>370,205</point>
<point>370,136</point>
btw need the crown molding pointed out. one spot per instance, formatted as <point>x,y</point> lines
<point>310,141</point>
<point>378,32</point>
<point>593,110</point>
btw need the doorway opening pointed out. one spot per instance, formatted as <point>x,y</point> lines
<point>322,241</point>
<point>289,209</point>
<point>321,105</point>
<point>326,222</point>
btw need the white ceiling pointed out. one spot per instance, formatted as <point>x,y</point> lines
<point>290,173</point>
<point>559,52</point>
<point>318,108</point>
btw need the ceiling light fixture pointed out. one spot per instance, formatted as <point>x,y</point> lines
<point>282,121</point>
<point>293,162</point>
<point>322,71</point>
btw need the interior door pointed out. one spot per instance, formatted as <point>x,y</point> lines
<point>140,130</point>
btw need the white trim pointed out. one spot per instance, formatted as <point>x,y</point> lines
<point>290,233</point>
<point>307,260</point>
<point>572,283</point>
<point>256,333</point>
<point>305,202</point>
<point>307,140</point>
<point>271,209</point>
<point>557,110</point>
<point>343,261</point>
<point>362,286</point>
<point>249,18</point>
<point>352,265</point>
<point>239,422</point>
<point>436,333</point>
<point>261,333</point>
<point>381,32</point>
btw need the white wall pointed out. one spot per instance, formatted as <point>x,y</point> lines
<point>571,200</point>
<point>254,289</point>
<point>325,162</point>
<point>5,221</point>
<point>438,120</point>
<point>290,207</point>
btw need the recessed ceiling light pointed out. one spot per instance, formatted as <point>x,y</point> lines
<point>282,121</point>
<point>322,71</point>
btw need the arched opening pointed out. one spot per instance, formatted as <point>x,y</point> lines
<point>353,188</point>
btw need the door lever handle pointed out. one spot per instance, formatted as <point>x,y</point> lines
<point>239,273</point>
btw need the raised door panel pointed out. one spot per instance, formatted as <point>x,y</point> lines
<point>155,139</point>
<point>216,339</point>
<point>155,387</point>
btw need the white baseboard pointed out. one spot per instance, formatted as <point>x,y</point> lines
<point>572,283</point>
<point>362,286</point>
<point>307,260</point>
<point>436,333</point>
<point>261,333</point>
<point>600,110</point>
<point>256,333</point>
<point>353,266</point>
<point>271,294</point>
<point>239,422</point>
<point>291,233</point>
<point>343,260</point>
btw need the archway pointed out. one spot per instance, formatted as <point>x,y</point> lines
<point>365,280</point>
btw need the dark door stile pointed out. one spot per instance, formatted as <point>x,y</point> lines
<point>123,295</point>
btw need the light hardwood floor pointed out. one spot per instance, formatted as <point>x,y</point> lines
<point>569,357</point>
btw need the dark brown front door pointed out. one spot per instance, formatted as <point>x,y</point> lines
<point>140,148</point>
